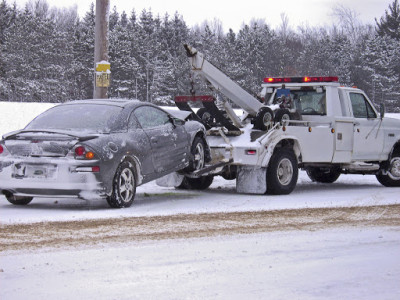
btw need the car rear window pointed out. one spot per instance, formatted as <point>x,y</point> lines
<point>82,117</point>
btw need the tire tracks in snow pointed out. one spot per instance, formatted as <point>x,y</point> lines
<point>67,234</point>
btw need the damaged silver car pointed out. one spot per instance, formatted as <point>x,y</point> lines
<point>98,149</point>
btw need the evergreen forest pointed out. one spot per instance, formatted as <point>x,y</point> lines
<point>46,53</point>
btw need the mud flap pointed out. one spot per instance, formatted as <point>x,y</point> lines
<point>251,180</point>
<point>170,180</point>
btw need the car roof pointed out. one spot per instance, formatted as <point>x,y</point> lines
<point>113,102</point>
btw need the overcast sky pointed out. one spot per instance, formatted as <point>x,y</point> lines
<point>233,13</point>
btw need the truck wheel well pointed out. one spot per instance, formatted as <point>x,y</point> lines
<point>290,144</point>
<point>396,149</point>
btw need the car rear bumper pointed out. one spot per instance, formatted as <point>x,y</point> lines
<point>36,177</point>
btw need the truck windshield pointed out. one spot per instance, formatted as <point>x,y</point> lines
<point>307,102</point>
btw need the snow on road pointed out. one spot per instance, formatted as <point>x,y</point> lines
<point>354,263</point>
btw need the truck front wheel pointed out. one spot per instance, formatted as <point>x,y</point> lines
<point>323,175</point>
<point>390,176</point>
<point>282,172</point>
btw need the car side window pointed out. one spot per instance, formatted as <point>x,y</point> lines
<point>361,107</point>
<point>133,123</point>
<point>150,117</point>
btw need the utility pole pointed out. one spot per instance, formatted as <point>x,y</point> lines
<point>101,64</point>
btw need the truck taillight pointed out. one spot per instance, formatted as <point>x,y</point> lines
<point>300,79</point>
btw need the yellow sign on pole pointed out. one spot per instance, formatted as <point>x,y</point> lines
<point>103,74</point>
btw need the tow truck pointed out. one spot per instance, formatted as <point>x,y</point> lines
<point>308,123</point>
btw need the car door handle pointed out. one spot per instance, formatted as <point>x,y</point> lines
<point>154,140</point>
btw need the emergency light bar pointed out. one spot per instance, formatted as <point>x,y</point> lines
<point>300,79</point>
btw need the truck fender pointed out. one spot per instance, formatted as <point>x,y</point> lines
<point>287,142</point>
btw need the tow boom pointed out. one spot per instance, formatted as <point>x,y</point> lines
<point>222,82</point>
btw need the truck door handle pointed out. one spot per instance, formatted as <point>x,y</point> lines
<point>356,124</point>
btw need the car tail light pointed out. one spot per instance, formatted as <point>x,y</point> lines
<point>82,152</point>
<point>1,149</point>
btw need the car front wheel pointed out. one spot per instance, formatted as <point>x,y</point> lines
<point>16,200</point>
<point>124,186</point>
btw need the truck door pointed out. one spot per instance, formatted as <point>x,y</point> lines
<point>368,132</point>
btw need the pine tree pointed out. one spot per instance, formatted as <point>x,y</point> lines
<point>389,24</point>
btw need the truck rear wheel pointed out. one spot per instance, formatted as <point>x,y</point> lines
<point>323,175</point>
<point>390,176</point>
<point>282,172</point>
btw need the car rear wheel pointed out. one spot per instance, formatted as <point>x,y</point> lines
<point>124,186</point>
<point>17,200</point>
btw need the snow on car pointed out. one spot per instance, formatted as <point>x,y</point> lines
<point>97,149</point>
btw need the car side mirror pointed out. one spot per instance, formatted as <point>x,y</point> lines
<point>382,110</point>
<point>177,122</point>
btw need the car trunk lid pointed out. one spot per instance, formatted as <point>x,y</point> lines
<point>43,143</point>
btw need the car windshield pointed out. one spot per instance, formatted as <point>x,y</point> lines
<point>97,118</point>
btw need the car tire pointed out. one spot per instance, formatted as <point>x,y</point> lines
<point>200,183</point>
<point>282,172</point>
<point>124,186</point>
<point>391,178</point>
<point>264,119</point>
<point>282,115</point>
<point>17,200</point>
<point>198,155</point>
<point>323,175</point>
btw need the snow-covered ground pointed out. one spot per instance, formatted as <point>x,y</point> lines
<point>357,263</point>
<point>343,262</point>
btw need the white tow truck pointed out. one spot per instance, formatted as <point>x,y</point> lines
<point>309,123</point>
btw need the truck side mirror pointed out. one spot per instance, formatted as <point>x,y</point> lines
<point>382,110</point>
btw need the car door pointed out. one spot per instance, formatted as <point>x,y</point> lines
<point>138,144</point>
<point>168,141</point>
<point>368,132</point>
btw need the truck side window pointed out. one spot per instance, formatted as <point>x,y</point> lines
<point>361,107</point>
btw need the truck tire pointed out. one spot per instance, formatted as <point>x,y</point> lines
<point>282,115</point>
<point>323,175</point>
<point>200,183</point>
<point>282,172</point>
<point>264,119</point>
<point>391,178</point>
